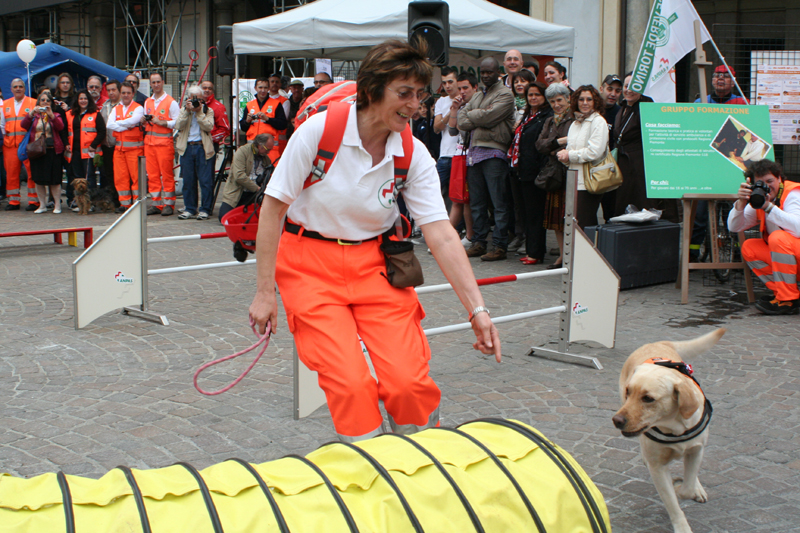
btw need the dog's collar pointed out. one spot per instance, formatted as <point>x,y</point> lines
<point>656,435</point>
<point>684,368</point>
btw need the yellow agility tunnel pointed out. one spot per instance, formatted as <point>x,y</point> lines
<point>490,475</point>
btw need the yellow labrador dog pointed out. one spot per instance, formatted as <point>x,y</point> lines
<point>665,407</point>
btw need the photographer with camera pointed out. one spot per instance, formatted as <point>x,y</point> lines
<point>768,199</point>
<point>250,169</point>
<point>196,150</point>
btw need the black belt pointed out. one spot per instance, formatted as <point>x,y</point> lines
<point>295,230</point>
<point>194,142</point>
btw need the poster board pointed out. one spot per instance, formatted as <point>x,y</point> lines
<point>701,148</point>
<point>778,88</point>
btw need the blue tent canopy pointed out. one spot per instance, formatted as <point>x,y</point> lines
<point>51,60</point>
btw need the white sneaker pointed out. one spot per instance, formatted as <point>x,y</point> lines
<point>466,242</point>
<point>41,210</point>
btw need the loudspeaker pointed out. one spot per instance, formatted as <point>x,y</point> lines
<point>430,21</point>
<point>226,60</point>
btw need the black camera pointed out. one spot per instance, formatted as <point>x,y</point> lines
<point>195,102</point>
<point>758,194</point>
<point>148,118</point>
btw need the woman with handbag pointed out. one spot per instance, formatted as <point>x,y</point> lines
<point>45,150</point>
<point>587,142</point>
<point>527,161</point>
<point>553,176</point>
<point>330,263</point>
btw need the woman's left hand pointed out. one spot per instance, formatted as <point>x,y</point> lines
<point>563,156</point>
<point>488,340</point>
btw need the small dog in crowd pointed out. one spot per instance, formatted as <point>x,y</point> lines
<point>86,198</point>
<point>665,407</point>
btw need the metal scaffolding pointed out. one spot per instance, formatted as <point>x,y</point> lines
<point>149,42</point>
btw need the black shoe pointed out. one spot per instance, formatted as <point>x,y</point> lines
<point>153,210</point>
<point>167,211</point>
<point>777,307</point>
<point>31,207</point>
<point>12,207</point>
<point>120,209</point>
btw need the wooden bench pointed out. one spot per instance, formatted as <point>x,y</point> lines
<point>72,235</point>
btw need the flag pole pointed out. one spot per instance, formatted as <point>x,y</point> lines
<point>722,58</point>
<point>700,61</point>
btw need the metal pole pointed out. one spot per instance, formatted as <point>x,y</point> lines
<point>235,124</point>
<point>143,311</point>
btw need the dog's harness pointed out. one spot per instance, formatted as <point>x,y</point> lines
<point>655,434</point>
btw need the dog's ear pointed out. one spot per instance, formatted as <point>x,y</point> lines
<point>687,400</point>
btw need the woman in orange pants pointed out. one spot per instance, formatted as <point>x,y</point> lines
<point>328,263</point>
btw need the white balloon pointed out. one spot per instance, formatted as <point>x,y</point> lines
<point>26,50</point>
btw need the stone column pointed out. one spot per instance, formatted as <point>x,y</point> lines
<point>102,37</point>
<point>638,12</point>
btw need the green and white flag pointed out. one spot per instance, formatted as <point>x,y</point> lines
<point>668,38</point>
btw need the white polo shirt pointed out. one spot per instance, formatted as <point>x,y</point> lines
<point>355,200</point>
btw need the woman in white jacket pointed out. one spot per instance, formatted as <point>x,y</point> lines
<point>587,141</point>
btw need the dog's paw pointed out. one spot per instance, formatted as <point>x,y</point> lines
<point>698,493</point>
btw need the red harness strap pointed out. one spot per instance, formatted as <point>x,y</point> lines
<point>331,140</point>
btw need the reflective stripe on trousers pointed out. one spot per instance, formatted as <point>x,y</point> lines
<point>775,263</point>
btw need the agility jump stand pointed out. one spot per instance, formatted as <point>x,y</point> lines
<point>587,308</point>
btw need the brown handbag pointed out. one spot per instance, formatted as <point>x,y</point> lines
<point>37,148</point>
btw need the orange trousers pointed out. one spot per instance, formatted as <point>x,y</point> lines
<point>775,263</point>
<point>13,169</point>
<point>160,174</point>
<point>126,175</point>
<point>332,295</point>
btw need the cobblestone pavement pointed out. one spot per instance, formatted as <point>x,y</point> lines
<point>119,392</point>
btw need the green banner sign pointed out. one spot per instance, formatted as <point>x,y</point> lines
<point>701,148</point>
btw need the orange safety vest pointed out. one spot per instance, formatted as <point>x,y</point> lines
<point>788,186</point>
<point>256,128</point>
<point>14,131</point>
<point>131,139</point>
<point>155,135</point>
<point>88,132</point>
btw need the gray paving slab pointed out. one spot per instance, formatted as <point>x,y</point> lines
<point>120,391</point>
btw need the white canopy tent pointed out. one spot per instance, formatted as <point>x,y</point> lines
<point>347,29</point>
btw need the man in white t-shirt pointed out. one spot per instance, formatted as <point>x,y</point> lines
<point>441,117</point>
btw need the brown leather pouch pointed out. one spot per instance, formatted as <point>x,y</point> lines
<point>402,266</point>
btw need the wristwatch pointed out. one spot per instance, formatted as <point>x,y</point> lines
<point>768,207</point>
<point>479,309</point>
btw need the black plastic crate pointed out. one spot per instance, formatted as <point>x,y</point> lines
<point>642,254</point>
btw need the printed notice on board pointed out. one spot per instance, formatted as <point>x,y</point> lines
<point>778,87</point>
<point>701,148</point>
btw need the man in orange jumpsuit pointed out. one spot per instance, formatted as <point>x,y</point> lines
<point>14,110</point>
<point>125,121</point>
<point>772,202</point>
<point>160,112</point>
<point>266,114</point>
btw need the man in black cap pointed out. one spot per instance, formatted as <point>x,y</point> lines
<point>611,90</point>
<point>296,88</point>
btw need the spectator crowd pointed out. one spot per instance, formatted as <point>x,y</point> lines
<point>502,146</point>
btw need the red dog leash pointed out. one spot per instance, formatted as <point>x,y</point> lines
<point>263,339</point>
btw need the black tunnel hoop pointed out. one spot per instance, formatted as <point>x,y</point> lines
<point>388,478</point>
<point>589,505</point>
<point>439,466</point>
<point>66,497</point>
<point>137,496</point>
<point>351,523</point>
<point>212,509</point>
<point>270,498</point>
<point>539,525</point>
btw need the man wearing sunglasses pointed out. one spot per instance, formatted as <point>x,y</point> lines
<point>722,83</point>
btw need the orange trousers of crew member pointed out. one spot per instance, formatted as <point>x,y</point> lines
<point>332,295</point>
<point>775,263</point>
<point>126,175</point>
<point>160,174</point>
<point>13,168</point>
